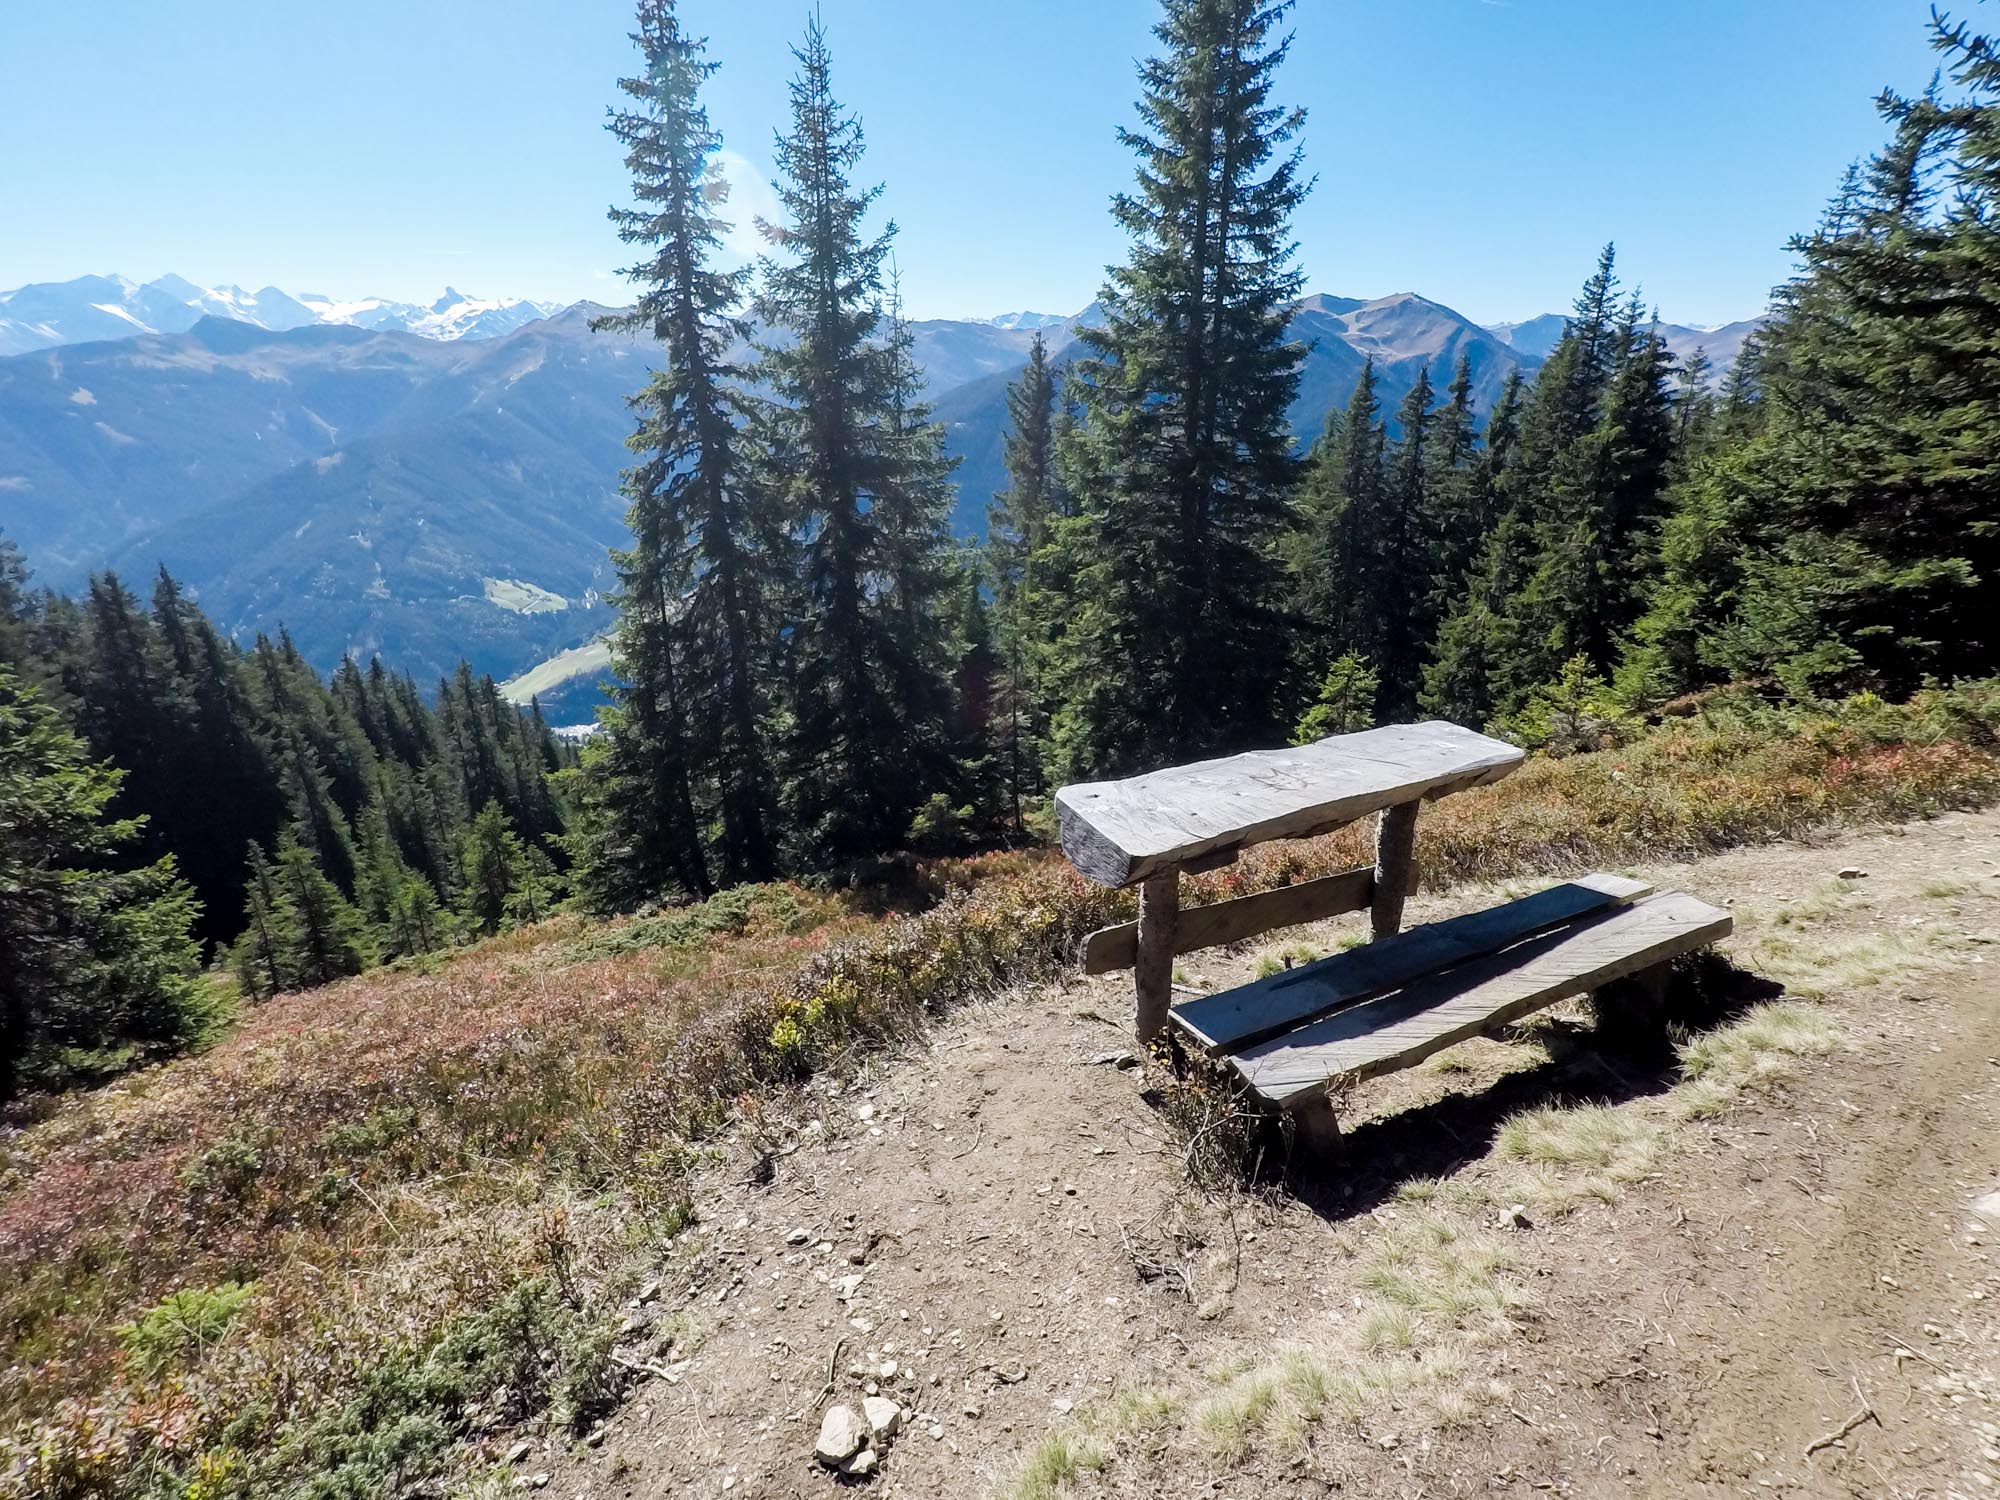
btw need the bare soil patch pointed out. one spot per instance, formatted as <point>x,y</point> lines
<point>1706,1283</point>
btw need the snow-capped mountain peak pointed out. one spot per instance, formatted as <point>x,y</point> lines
<point>1024,320</point>
<point>92,308</point>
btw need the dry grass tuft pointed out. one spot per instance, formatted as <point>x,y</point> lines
<point>1290,956</point>
<point>1760,1047</point>
<point>1566,1155</point>
<point>1814,965</point>
<point>1056,1462</point>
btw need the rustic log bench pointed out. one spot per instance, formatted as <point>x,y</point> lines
<point>1296,1036</point>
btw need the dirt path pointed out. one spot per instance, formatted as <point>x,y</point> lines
<point>995,1229</point>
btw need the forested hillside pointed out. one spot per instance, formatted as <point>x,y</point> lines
<point>169,796</point>
<point>813,673</point>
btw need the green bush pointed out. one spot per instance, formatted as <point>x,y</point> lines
<point>184,1326</point>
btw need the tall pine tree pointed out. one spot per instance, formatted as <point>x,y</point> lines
<point>856,470</point>
<point>691,653</point>
<point>1183,459</point>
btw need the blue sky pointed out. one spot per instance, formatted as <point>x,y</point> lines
<point>1476,151</point>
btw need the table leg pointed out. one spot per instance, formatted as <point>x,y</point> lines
<point>1153,974</point>
<point>1395,867</point>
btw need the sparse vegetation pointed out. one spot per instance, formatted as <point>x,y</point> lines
<point>1055,1461</point>
<point>1290,956</point>
<point>1761,1046</point>
<point>1568,1154</point>
<point>509,1135</point>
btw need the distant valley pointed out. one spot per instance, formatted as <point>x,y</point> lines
<point>436,482</point>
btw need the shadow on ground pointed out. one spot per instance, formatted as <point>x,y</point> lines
<point>1588,1063</point>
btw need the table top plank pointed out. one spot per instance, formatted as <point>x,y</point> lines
<point>1119,832</point>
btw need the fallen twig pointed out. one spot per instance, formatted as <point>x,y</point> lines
<point>1866,1414</point>
<point>977,1137</point>
<point>832,1364</point>
<point>644,1367</point>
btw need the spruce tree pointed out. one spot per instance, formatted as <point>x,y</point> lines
<point>856,472</point>
<point>1017,520</point>
<point>1868,554</point>
<point>97,958</point>
<point>262,956</point>
<point>1457,493</point>
<point>1341,499</point>
<point>1019,551</point>
<point>325,937</point>
<point>1183,460</point>
<point>1345,703</point>
<point>692,649</point>
<point>1403,573</point>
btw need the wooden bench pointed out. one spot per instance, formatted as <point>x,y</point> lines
<point>1293,1037</point>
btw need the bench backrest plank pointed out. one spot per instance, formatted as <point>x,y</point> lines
<point>1119,832</point>
<point>1239,1018</point>
<point>1111,948</point>
<point>1400,1029</point>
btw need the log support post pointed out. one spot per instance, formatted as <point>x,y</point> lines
<point>1315,1130</point>
<point>1395,868</point>
<point>1632,1012</point>
<point>1153,974</point>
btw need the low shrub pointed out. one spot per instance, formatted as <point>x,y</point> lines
<point>182,1327</point>
<point>386,1157</point>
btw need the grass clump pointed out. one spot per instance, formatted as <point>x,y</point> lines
<point>1762,1046</point>
<point>1815,965</point>
<point>1291,956</point>
<point>1056,1462</point>
<point>1569,1153</point>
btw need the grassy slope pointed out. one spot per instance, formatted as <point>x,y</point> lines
<point>441,1185</point>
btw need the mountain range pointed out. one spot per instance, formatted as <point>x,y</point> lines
<point>44,315</point>
<point>431,484</point>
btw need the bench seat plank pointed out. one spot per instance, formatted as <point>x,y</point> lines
<point>1241,1017</point>
<point>1119,832</point>
<point>1400,1029</point>
<point>1221,922</point>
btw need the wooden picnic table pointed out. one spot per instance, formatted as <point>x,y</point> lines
<point>1292,1037</point>
<point>1149,830</point>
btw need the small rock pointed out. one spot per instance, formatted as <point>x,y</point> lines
<point>797,1237</point>
<point>648,1292</point>
<point>1120,1060</point>
<point>1388,1441</point>
<point>519,1451</point>
<point>857,1257</point>
<point>844,1286</point>
<point>863,1463</point>
<point>842,1434</point>
<point>1517,1217</point>
<point>937,1430</point>
<point>885,1417</point>
<point>1850,872</point>
<point>595,1437</point>
<point>865,1112</point>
